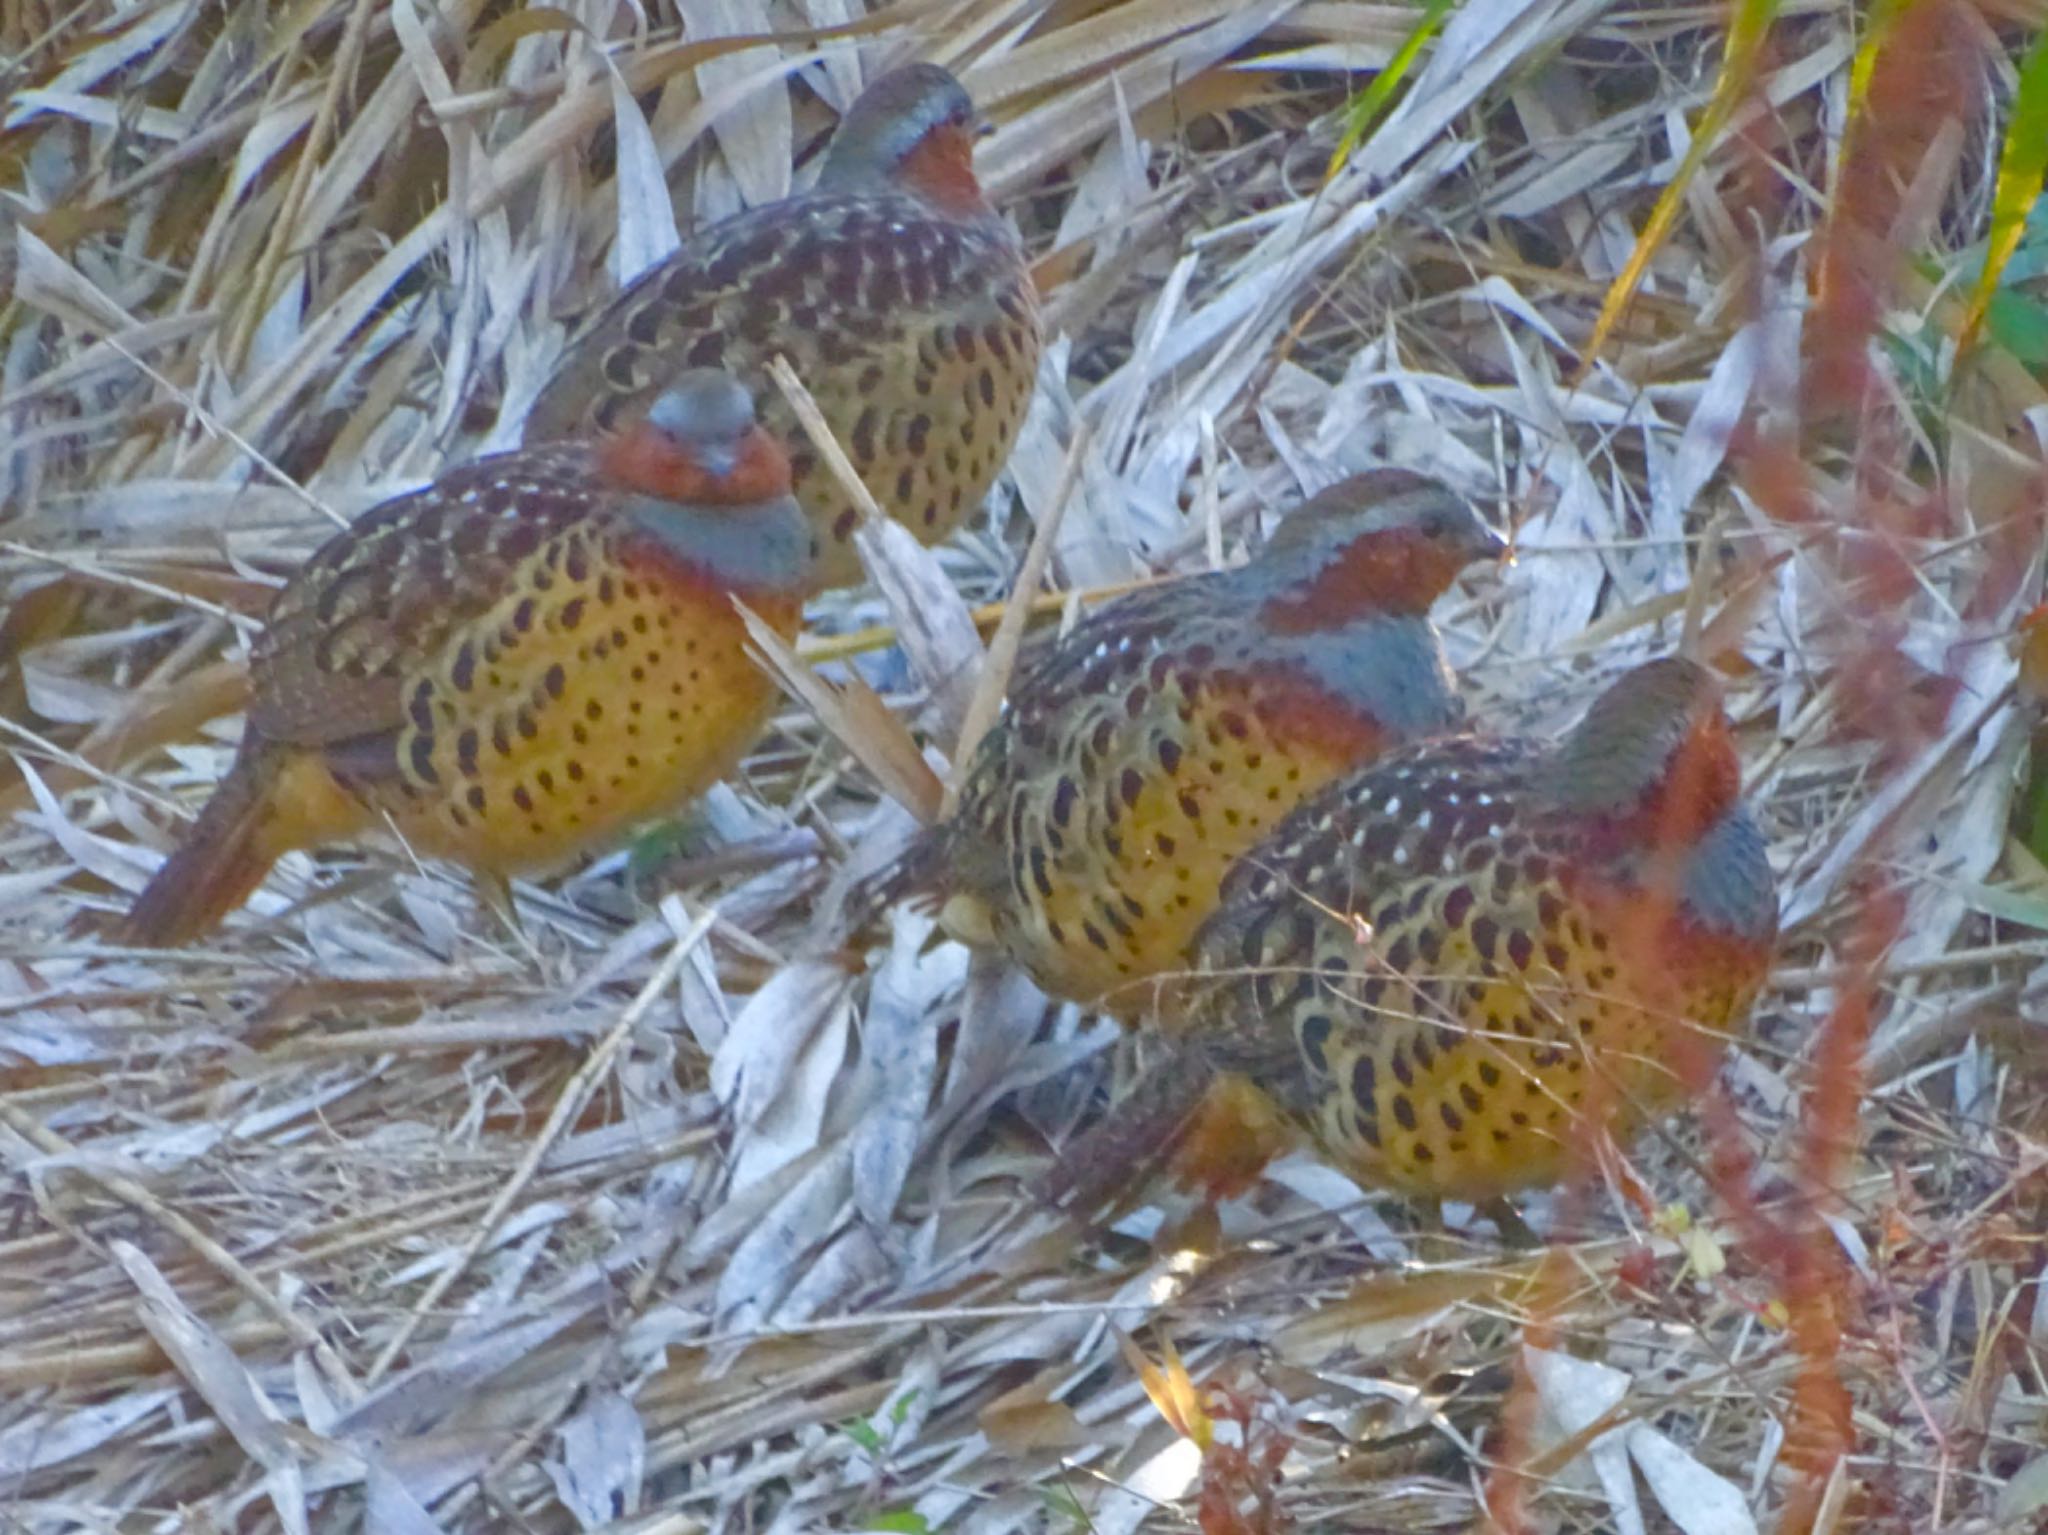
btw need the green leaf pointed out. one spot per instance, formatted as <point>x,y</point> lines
<point>2018,323</point>
<point>907,1520</point>
<point>663,841</point>
<point>1061,1505</point>
<point>2021,167</point>
<point>1749,24</point>
<point>2006,904</point>
<point>1371,105</point>
<point>864,1434</point>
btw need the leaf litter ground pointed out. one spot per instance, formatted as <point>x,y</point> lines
<point>678,1210</point>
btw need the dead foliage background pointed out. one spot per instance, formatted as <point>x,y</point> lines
<point>679,1213</point>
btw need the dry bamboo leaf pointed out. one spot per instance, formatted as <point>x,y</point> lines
<point>603,1461</point>
<point>1382,1307</point>
<point>389,1508</point>
<point>401,262</point>
<point>1171,1390</point>
<point>763,1267</point>
<point>120,864</point>
<point>1026,1418</point>
<point>1697,1501</point>
<point>1070,121</point>
<point>1000,1011</point>
<point>146,30</point>
<point>647,220</point>
<point>744,91</point>
<point>858,720</point>
<point>211,1368</point>
<point>932,621</point>
<point>43,1439</point>
<point>994,681</point>
<point>800,1014</point>
<point>45,280</point>
<point>899,1059</point>
<point>2025,1495</point>
<point>1579,1400</point>
<point>1716,414</point>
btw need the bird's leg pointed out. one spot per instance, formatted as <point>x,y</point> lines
<point>1431,1229</point>
<point>1507,1220</point>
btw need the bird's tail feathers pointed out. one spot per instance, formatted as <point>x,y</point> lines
<point>223,859</point>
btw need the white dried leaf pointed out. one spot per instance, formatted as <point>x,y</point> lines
<point>1071,120</point>
<point>2025,1495</point>
<point>852,1262</point>
<point>703,1005</point>
<point>1000,1012</point>
<point>1098,536</point>
<point>746,91</point>
<point>776,1066</point>
<point>206,1362</point>
<point>788,1126</point>
<point>152,25</point>
<point>45,280</point>
<point>899,1058</point>
<point>1327,1189</point>
<point>389,1508</point>
<point>1553,591</point>
<point>1585,164</point>
<point>271,132</point>
<point>1573,1394</point>
<point>1479,43</point>
<point>1498,293</point>
<point>647,217</point>
<point>449,1377</point>
<point>120,864</point>
<point>145,122</point>
<point>603,1461</point>
<point>440,923</point>
<point>934,625</point>
<point>750,1064</point>
<point>44,1439</point>
<point>1933,771</point>
<point>1104,194</point>
<point>1962,845</point>
<point>18,889</point>
<point>763,1266</point>
<point>282,321</point>
<point>1160,1480</point>
<point>1716,414</point>
<point>839,62</point>
<point>1696,1500</point>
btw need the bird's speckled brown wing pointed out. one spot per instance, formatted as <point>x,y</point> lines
<point>1136,760</point>
<point>918,337</point>
<point>376,604</point>
<point>1430,974</point>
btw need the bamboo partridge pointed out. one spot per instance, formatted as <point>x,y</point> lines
<point>898,294</point>
<point>517,663</point>
<point>1457,967</point>
<point>1173,727</point>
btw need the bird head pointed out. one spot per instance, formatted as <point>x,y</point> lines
<point>698,443</point>
<point>1653,759</point>
<point>1385,541</point>
<point>915,128</point>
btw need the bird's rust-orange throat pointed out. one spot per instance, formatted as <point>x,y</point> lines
<point>644,459</point>
<point>1386,572</point>
<point>941,171</point>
